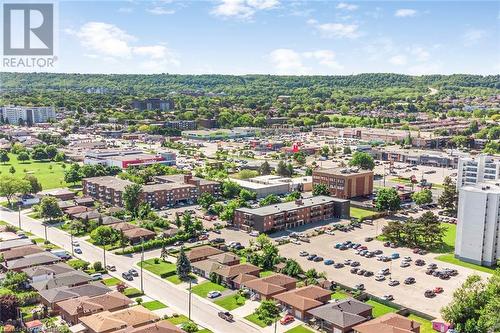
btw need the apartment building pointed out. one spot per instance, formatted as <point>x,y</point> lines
<point>151,104</point>
<point>478,226</point>
<point>345,183</point>
<point>291,214</point>
<point>473,170</point>
<point>169,191</point>
<point>127,158</point>
<point>181,124</point>
<point>27,115</point>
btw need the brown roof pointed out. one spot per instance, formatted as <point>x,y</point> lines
<point>77,210</point>
<point>304,298</point>
<point>163,326</point>
<point>224,258</point>
<point>232,271</point>
<point>138,232</point>
<point>270,285</point>
<point>123,226</point>
<point>22,251</point>
<point>109,301</point>
<point>242,278</point>
<point>388,323</point>
<point>202,252</point>
<point>110,321</point>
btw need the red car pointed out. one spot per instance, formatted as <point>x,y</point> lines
<point>362,248</point>
<point>416,250</point>
<point>287,319</point>
<point>438,290</point>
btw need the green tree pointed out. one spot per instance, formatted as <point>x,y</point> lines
<point>362,160</point>
<point>265,168</point>
<point>387,199</point>
<point>347,150</point>
<point>132,198</point>
<point>271,199</point>
<point>51,152</point>
<point>10,186</point>
<point>15,281</point>
<point>206,200</point>
<point>49,208</point>
<point>268,311</point>
<point>282,170</point>
<point>183,265</point>
<point>60,157</point>
<point>449,197</point>
<point>73,174</point>
<point>35,185</point>
<point>320,189</point>
<point>422,197</point>
<point>247,195</point>
<point>9,307</point>
<point>292,268</point>
<point>4,156</point>
<point>189,327</point>
<point>23,156</point>
<point>325,151</point>
<point>104,235</point>
<point>12,170</point>
<point>230,189</point>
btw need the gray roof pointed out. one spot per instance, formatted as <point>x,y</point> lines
<point>33,260</point>
<point>291,205</point>
<point>344,313</point>
<point>55,269</point>
<point>64,279</point>
<point>10,244</point>
<point>64,293</point>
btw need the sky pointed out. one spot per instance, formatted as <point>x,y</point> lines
<point>279,37</point>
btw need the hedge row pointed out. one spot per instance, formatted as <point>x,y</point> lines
<point>155,243</point>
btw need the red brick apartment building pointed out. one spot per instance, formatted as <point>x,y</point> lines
<point>345,183</point>
<point>291,214</point>
<point>169,190</point>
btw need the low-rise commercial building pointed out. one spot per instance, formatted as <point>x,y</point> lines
<point>291,214</point>
<point>263,186</point>
<point>345,183</point>
<point>126,158</point>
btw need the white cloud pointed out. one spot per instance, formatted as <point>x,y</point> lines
<point>242,9</point>
<point>288,61</point>
<point>472,36</point>
<point>420,53</point>
<point>425,68</point>
<point>110,43</point>
<point>336,30</point>
<point>158,10</point>
<point>398,60</point>
<point>347,6</point>
<point>405,12</point>
<point>125,10</point>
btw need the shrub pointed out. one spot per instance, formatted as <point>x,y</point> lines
<point>157,261</point>
<point>138,300</point>
<point>190,327</point>
<point>97,266</point>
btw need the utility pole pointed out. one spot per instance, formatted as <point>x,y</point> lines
<point>104,248</point>
<point>19,215</point>
<point>189,306</point>
<point>45,227</point>
<point>72,247</point>
<point>142,262</point>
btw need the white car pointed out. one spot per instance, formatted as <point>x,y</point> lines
<point>379,278</point>
<point>388,298</point>
<point>214,294</point>
<point>75,243</point>
<point>404,264</point>
<point>254,233</point>
<point>303,253</point>
<point>294,241</point>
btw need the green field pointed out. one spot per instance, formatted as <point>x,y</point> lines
<point>299,329</point>
<point>40,169</point>
<point>450,258</point>
<point>426,325</point>
<point>162,267</point>
<point>380,309</point>
<point>154,305</point>
<point>361,213</point>
<point>204,288</point>
<point>231,302</point>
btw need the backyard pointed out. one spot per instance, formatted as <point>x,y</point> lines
<point>380,309</point>
<point>49,178</point>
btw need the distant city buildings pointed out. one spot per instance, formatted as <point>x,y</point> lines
<point>181,124</point>
<point>126,158</point>
<point>221,134</point>
<point>291,214</point>
<point>27,115</point>
<point>478,169</point>
<point>151,104</point>
<point>478,226</point>
<point>345,183</point>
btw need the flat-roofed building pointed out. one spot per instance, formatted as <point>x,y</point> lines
<point>291,214</point>
<point>126,158</point>
<point>345,183</point>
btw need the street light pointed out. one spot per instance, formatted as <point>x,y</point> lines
<point>142,262</point>
<point>45,227</point>
<point>189,306</point>
<point>72,247</point>
<point>19,215</point>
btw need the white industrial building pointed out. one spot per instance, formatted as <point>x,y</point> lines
<point>478,226</point>
<point>263,186</point>
<point>27,114</point>
<point>474,170</point>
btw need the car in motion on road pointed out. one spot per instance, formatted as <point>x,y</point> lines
<point>226,315</point>
<point>111,268</point>
<point>359,286</point>
<point>213,294</point>
<point>78,250</point>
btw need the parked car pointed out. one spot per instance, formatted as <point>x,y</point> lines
<point>226,315</point>
<point>287,319</point>
<point>318,259</point>
<point>429,293</point>
<point>404,264</point>
<point>368,274</point>
<point>78,250</point>
<point>379,278</point>
<point>133,272</point>
<point>111,268</point>
<point>127,276</point>
<point>354,270</point>
<point>329,262</point>
<point>214,294</point>
<point>419,262</point>
<point>361,272</point>
<point>359,286</point>
<point>355,264</point>
<point>311,256</point>
<point>339,265</point>
<point>368,239</point>
<point>395,255</point>
<point>438,290</point>
<point>96,276</point>
<point>303,253</point>
<point>388,298</point>
<point>393,283</point>
<point>409,280</point>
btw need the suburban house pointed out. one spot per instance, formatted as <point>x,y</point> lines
<point>341,316</point>
<point>202,253</point>
<point>133,233</point>
<point>13,243</point>
<point>390,322</point>
<point>73,309</point>
<point>266,287</point>
<point>68,279</point>
<point>106,321</point>
<point>22,251</point>
<point>228,273</point>
<point>51,296</point>
<point>31,260</point>
<point>40,273</point>
<point>163,326</point>
<point>214,262</point>
<point>299,301</point>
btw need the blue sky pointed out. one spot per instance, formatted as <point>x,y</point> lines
<point>279,37</point>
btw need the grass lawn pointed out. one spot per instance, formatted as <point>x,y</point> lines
<point>299,329</point>
<point>180,319</point>
<point>132,292</point>
<point>111,281</point>
<point>339,295</point>
<point>40,169</point>
<point>380,309</point>
<point>361,213</point>
<point>254,319</point>
<point>162,267</point>
<point>450,258</point>
<point>154,305</point>
<point>205,330</point>
<point>265,273</point>
<point>204,288</point>
<point>426,325</point>
<point>231,302</point>
<point>175,279</point>
<point>4,291</point>
<point>448,239</point>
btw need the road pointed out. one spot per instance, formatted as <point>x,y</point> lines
<point>203,312</point>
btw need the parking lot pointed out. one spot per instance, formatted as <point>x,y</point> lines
<point>411,296</point>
